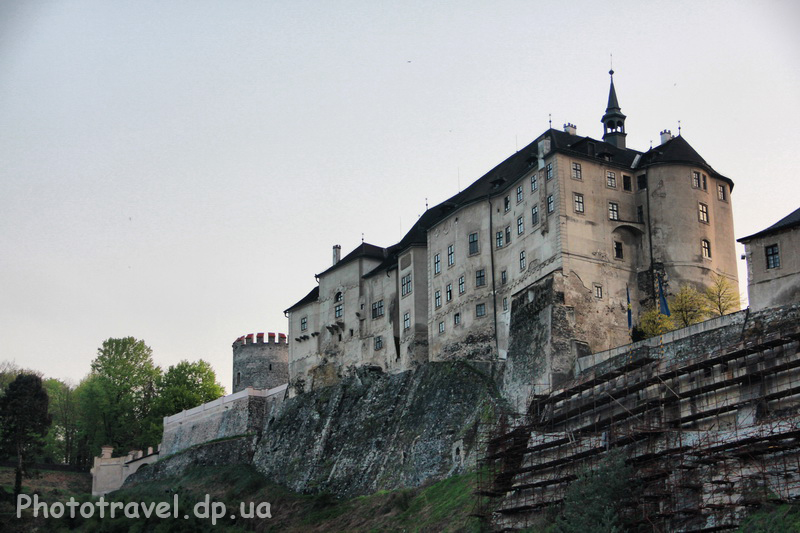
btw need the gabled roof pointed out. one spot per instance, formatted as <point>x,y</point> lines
<point>792,220</point>
<point>678,150</point>
<point>364,250</point>
<point>312,296</point>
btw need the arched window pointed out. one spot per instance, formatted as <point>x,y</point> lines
<point>339,297</point>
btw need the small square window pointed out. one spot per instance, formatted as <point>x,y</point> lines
<point>461,285</point>
<point>627,183</point>
<point>549,171</point>
<point>480,278</point>
<point>618,250</point>
<point>695,179</point>
<point>441,327</point>
<point>437,298</point>
<point>773,256</point>
<point>405,285</point>
<point>519,194</point>
<point>378,342</point>
<point>499,239</point>
<point>377,309</point>
<point>451,255</point>
<point>406,320</point>
<point>503,277</point>
<point>706,246</point>
<point>598,291</point>
<point>480,310</point>
<point>721,192</point>
<point>611,179</point>
<point>338,311</point>
<point>304,323</point>
<point>534,215</point>
<point>520,225</point>
<point>534,181</point>
<point>508,234</point>
<point>437,264</point>
<point>457,318</point>
<point>551,204</point>
<point>522,263</point>
<point>473,243</point>
<point>576,171</point>
<point>579,207</point>
<point>613,211</point>
<point>702,212</point>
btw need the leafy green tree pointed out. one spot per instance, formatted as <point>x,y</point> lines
<point>186,385</point>
<point>23,423</point>
<point>722,297</point>
<point>652,323</point>
<point>688,306</point>
<point>61,438</point>
<point>593,501</point>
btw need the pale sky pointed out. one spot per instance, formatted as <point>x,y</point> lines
<point>178,171</point>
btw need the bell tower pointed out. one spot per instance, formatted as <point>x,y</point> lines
<point>614,120</point>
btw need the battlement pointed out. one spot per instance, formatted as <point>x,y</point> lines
<point>258,338</point>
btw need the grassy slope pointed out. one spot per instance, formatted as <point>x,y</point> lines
<point>443,506</point>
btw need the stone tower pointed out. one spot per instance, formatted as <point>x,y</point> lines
<point>258,363</point>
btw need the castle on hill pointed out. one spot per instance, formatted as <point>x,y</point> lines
<point>533,265</point>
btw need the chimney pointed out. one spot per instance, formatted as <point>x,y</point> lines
<point>571,128</point>
<point>337,253</point>
<point>666,135</point>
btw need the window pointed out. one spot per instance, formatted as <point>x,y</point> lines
<point>703,212</point>
<point>505,304</point>
<point>503,277</point>
<point>641,182</point>
<point>534,215</point>
<point>695,179</point>
<point>378,342</point>
<point>406,320</point>
<point>598,291</point>
<point>508,234</point>
<point>534,181</point>
<point>480,278</point>
<point>706,246</point>
<point>499,238</point>
<point>578,203</point>
<point>551,205</point>
<point>437,264</point>
<point>520,225</point>
<point>405,285</point>
<point>522,260</point>
<point>721,194</point>
<point>461,285</point>
<point>457,318</point>
<point>451,255</point>
<point>480,310</point>
<point>448,292</point>
<point>304,323</point>
<point>627,183</point>
<point>705,184</point>
<point>613,211</point>
<point>441,327</point>
<point>611,179</point>
<point>337,311</point>
<point>618,250</point>
<point>437,299</point>
<point>576,171</point>
<point>519,194</point>
<point>640,214</point>
<point>506,204</point>
<point>339,297</point>
<point>773,256</point>
<point>549,171</point>
<point>473,243</point>
<point>377,309</point>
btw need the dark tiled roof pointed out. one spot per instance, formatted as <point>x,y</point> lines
<point>363,250</point>
<point>677,150</point>
<point>790,221</point>
<point>312,296</point>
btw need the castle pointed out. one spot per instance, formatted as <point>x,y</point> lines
<point>565,232</point>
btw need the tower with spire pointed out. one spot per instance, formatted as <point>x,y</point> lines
<point>613,120</point>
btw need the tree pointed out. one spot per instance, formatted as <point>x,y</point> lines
<point>23,422</point>
<point>186,385</point>
<point>60,440</point>
<point>722,296</point>
<point>118,395</point>
<point>653,323</point>
<point>688,306</point>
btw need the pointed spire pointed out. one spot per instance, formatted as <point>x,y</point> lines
<point>614,119</point>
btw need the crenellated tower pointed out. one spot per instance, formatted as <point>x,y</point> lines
<point>259,363</point>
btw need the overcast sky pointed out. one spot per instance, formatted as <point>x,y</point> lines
<point>178,171</point>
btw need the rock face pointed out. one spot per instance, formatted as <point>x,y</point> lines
<point>371,431</point>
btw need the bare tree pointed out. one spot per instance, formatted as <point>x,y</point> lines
<point>722,296</point>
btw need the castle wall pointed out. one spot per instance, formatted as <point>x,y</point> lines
<point>241,413</point>
<point>414,348</point>
<point>260,363</point>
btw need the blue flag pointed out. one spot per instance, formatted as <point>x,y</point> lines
<point>662,300</point>
<point>630,317</point>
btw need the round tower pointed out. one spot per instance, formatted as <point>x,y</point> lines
<point>259,363</point>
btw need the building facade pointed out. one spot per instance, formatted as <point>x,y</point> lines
<point>574,223</point>
<point>258,363</point>
<point>773,263</point>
